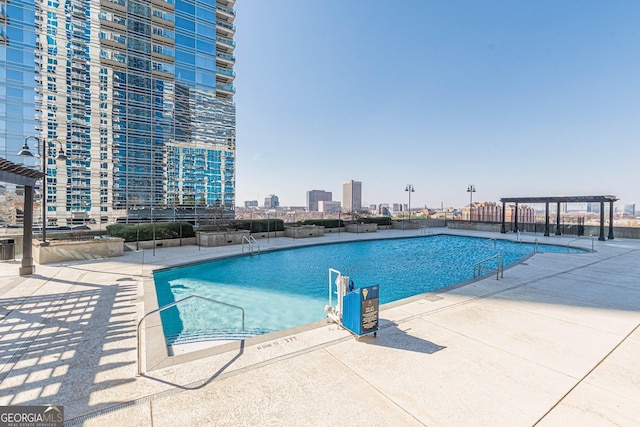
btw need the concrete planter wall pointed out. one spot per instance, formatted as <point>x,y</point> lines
<point>270,234</point>
<point>222,238</point>
<point>164,243</point>
<point>67,250</point>
<point>361,228</point>
<point>334,230</point>
<point>304,231</point>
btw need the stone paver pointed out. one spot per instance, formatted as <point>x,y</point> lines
<point>553,343</point>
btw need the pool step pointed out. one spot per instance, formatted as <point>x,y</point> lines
<point>188,337</point>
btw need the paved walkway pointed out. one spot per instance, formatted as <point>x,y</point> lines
<point>556,342</point>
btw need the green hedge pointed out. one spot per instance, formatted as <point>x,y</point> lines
<point>259,225</point>
<point>327,223</point>
<point>380,220</point>
<point>141,232</point>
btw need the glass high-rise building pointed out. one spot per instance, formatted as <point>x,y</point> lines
<point>17,76</point>
<point>138,93</point>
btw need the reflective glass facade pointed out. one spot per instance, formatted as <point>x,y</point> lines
<point>17,76</point>
<point>139,94</point>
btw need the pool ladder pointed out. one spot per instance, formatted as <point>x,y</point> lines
<point>252,244</point>
<point>164,307</point>
<point>425,230</point>
<point>480,267</point>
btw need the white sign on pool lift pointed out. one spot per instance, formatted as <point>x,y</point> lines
<point>355,309</point>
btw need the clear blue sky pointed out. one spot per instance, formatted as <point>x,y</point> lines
<point>519,98</point>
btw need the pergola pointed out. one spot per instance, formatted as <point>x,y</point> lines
<point>561,199</point>
<point>20,175</point>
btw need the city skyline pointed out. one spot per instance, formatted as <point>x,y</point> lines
<point>517,99</point>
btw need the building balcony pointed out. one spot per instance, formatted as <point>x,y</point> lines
<point>78,12</point>
<point>225,13</point>
<point>225,75</point>
<point>224,91</point>
<point>225,58</point>
<point>225,29</point>
<point>225,42</point>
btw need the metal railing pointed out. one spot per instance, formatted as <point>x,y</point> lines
<point>480,268</point>
<point>580,238</point>
<point>252,242</point>
<point>425,230</point>
<point>164,307</point>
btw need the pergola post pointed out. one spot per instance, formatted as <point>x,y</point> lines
<point>27,268</point>
<point>503,229</point>
<point>515,219</point>
<point>601,236</point>
<point>546,219</point>
<point>558,232</point>
<point>610,220</point>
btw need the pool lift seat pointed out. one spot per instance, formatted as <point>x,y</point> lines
<point>356,310</point>
<point>338,287</point>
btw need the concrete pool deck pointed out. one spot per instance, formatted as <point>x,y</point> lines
<point>555,342</point>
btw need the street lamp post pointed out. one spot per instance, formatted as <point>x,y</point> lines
<point>409,188</point>
<point>471,189</point>
<point>42,148</point>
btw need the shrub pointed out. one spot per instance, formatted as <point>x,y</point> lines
<point>327,223</point>
<point>380,220</point>
<point>141,232</point>
<point>259,225</point>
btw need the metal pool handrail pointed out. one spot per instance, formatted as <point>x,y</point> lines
<point>425,230</point>
<point>164,307</point>
<point>477,267</point>
<point>580,238</point>
<point>251,241</point>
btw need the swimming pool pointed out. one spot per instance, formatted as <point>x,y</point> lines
<point>287,288</point>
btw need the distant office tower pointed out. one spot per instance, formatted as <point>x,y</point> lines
<point>327,206</point>
<point>352,196</point>
<point>630,208</point>
<point>315,196</point>
<point>139,94</point>
<point>250,204</point>
<point>271,201</point>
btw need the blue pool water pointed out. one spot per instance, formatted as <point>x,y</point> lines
<point>287,288</point>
